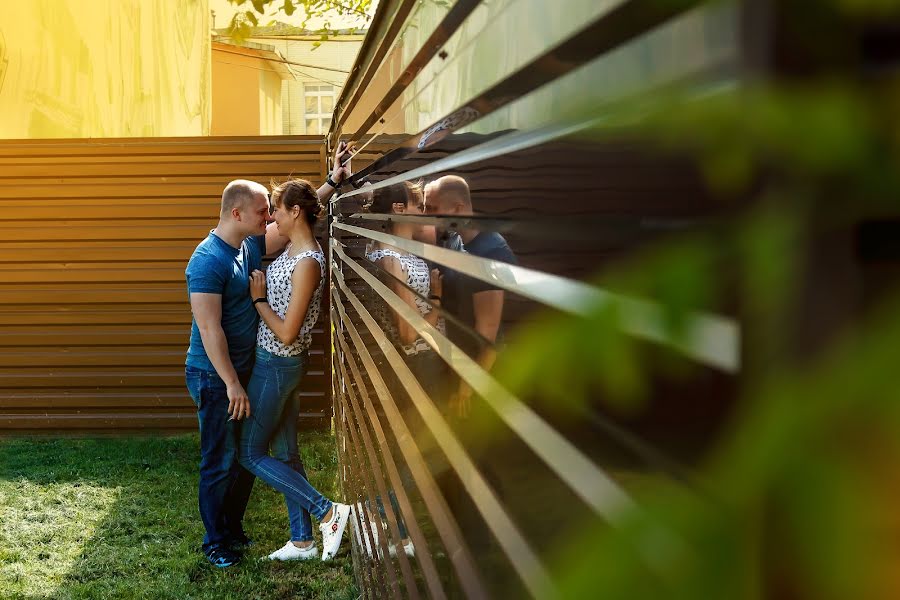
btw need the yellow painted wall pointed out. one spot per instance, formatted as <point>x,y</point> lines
<point>246,96</point>
<point>269,103</point>
<point>104,68</point>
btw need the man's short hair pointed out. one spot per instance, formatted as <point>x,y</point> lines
<point>239,193</point>
<point>452,186</point>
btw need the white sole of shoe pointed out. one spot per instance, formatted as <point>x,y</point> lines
<point>290,554</point>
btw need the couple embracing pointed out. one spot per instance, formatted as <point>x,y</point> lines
<point>248,352</point>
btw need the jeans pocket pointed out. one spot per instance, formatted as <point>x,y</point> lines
<point>194,380</point>
<point>289,378</point>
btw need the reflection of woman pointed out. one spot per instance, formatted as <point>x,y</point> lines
<point>288,297</point>
<point>420,283</point>
<point>413,271</point>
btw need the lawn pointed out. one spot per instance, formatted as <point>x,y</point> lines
<point>117,518</point>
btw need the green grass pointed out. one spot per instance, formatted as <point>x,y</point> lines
<point>117,518</point>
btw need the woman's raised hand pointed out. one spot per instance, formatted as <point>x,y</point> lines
<point>257,284</point>
<point>340,172</point>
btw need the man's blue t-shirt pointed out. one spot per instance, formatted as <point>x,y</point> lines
<point>218,268</point>
<point>459,288</point>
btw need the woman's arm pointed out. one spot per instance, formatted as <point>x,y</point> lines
<point>338,173</point>
<point>435,296</point>
<point>392,265</point>
<point>304,281</point>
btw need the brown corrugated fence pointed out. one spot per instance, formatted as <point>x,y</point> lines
<point>94,239</point>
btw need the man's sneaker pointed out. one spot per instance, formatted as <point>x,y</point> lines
<point>222,557</point>
<point>333,530</point>
<point>239,543</point>
<point>291,552</point>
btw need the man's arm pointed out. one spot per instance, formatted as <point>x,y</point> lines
<point>275,242</point>
<point>207,309</point>
<point>488,310</point>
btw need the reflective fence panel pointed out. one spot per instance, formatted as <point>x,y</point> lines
<point>503,382</point>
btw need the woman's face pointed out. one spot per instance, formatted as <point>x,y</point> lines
<point>284,219</point>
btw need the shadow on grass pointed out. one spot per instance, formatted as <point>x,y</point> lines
<point>117,518</point>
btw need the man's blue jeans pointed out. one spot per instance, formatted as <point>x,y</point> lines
<point>274,407</point>
<point>224,485</point>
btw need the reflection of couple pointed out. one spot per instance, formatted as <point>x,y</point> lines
<point>477,307</point>
<point>248,352</point>
<point>475,304</point>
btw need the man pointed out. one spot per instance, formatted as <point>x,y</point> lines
<point>475,303</point>
<point>221,351</point>
<point>479,306</point>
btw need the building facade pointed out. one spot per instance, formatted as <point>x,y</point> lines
<point>320,67</point>
<point>247,89</point>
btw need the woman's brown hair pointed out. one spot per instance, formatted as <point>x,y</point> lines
<point>299,192</point>
<point>402,193</point>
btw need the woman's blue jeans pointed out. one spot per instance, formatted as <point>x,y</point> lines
<point>274,406</point>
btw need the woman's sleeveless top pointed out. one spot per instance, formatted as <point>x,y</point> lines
<point>418,278</point>
<point>278,294</point>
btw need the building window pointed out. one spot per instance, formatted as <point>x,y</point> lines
<point>319,101</point>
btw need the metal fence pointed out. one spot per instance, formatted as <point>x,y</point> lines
<point>520,100</point>
<point>94,239</point>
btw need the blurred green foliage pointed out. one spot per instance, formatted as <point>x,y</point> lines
<point>803,474</point>
<point>244,22</point>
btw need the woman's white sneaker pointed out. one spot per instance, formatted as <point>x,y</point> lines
<point>333,530</point>
<point>291,552</point>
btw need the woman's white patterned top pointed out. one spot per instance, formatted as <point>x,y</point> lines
<point>278,294</point>
<point>418,278</point>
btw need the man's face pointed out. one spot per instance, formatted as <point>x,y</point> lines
<point>435,201</point>
<point>255,215</point>
<point>439,203</point>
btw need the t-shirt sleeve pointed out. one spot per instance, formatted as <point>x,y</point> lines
<point>503,252</point>
<point>496,249</point>
<point>205,275</point>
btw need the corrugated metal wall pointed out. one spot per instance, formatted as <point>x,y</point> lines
<point>94,239</point>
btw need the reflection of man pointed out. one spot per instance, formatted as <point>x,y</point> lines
<point>475,303</point>
<point>221,351</point>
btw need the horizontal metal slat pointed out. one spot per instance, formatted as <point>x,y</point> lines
<point>125,335</point>
<point>112,421</point>
<point>96,293</point>
<point>66,187</point>
<point>139,313</point>
<point>155,169</point>
<point>125,230</point>
<point>113,378</point>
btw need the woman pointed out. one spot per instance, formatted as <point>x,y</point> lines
<point>288,298</point>
<point>420,284</point>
